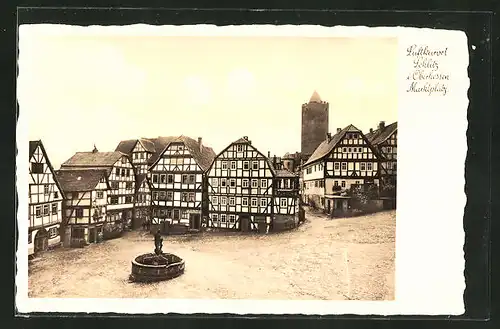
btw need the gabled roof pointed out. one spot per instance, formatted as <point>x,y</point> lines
<point>380,135</point>
<point>79,180</point>
<point>32,147</point>
<point>203,156</point>
<point>92,159</point>
<point>327,146</point>
<point>127,146</point>
<point>160,143</point>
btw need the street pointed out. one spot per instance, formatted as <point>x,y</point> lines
<point>324,259</point>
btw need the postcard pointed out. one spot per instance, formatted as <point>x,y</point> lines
<point>241,169</point>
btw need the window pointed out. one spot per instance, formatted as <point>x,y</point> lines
<point>223,218</point>
<point>56,195</point>
<point>38,211</point>
<point>215,182</point>
<point>394,166</point>
<point>336,166</point>
<point>233,165</point>
<point>169,213</point>
<point>128,185</point>
<point>263,183</point>
<point>163,178</point>
<point>215,200</point>
<point>244,201</point>
<point>184,196</point>
<point>255,165</point>
<point>170,179</point>
<point>155,195</point>
<point>344,149</point>
<point>114,186</point>
<point>162,212</point>
<point>45,210</point>
<point>344,165</point>
<point>79,213</point>
<point>124,160</point>
<point>162,195</point>
<point>143,155</point>
<point>117,171</point>
<point>128,199</point>
<point>215,217</point>
<point>78,233</point>
<point>232,182</point>
<point>46,189</point>
<point>223,182</point>
<point>113,200</point>
<point>389,149</point>
<point>343,183</point>
<point>155,178</point>
<point>128,172</point>
<point>349,149</point>
<point>239,148</point>
<point>255,183</point>
<point>169,196</point>
<point>232,218</point>
<point>224,165</point>
<point>245,165</point>
<point>54,209</point>
<point>355,136</point>
<point>362,166</point>
<point>263,202</point>
<point>223,201</point>
<point>369,166</point>
<point>123,172</point>
<point>184,179</point>
<point>360,150</point>
<point>191,197</point>
<point>100,194</point>
<point>283,202</point>
<point>244,183</point>
<point>336,183</point>
<point>254,202</point>
<point>36,168</point>
<point>357,182</point>
<point>232,201</point>
<point>191,179</point>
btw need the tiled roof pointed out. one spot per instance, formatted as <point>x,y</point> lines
<point>33,146</point>
<point>284,173</point>
<point>80,179</point>
<point>127,146</point>
<point>326,147</point>
<point>380,135</point>
<point>93,159</point>
<point>203,156</point>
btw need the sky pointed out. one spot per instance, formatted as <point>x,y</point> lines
<point>78,90</point>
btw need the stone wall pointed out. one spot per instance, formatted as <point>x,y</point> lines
<point>314,126</point>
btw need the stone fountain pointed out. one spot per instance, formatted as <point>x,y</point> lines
<point>157,266</point>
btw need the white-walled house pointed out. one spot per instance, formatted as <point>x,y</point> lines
<point>342,160</point>
<point>86,192</point>
<point>45,201</point>
<point>121,177</point>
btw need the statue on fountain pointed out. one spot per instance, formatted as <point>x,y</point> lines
<point>158,243</point>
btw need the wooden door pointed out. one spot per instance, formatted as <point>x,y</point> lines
<point>41,240</point>
<point>194,221</point>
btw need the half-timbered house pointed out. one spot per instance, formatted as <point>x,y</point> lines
<point>240,188</point>
<point>342,160</point>
<point>139,151</point>
<point>45,201</point>
<point>177,183</point>
<point>142,207</point>
<point>286,200</point>
<point>85,205</point>
<point>121,178</point>
<point>385,139</point>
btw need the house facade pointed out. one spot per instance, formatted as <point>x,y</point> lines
<point>286,201</point>
<point>385,139</point>
<point>121,177</point>
<point>142,206</point>
<point>341,161</point>
<point>240,189</point>
<point>85,206</point>
<point>177,176</point>
<point>45,201</point>
<point>139,151</point>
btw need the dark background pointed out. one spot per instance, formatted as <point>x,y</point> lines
<point>475,18</point>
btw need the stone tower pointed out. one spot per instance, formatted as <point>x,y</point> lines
<point>314,125</point>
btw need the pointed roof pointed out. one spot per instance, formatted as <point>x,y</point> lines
<point>327,146</point>
<point>160,143</point>
<point>380,135</point>
<point>315,97</point>
<point>80,180</point>
<point>127,146</point>
<point>33,146</point>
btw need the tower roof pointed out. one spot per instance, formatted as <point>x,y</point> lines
<point>315,98</point>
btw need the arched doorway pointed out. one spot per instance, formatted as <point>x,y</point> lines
<point>41,240</point>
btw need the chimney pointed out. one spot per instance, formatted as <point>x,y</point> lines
<point>381,125</point>
<point>339,129</point>
<point>274,160</point>
<point>200,143</point>
<point>245,138</point>
<point>328,136</point>
<point>269,154</point>
<point>371,130</point>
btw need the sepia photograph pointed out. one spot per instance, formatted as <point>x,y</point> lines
<point>212,167</point>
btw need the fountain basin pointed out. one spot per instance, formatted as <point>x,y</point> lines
<point>152,267</point>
